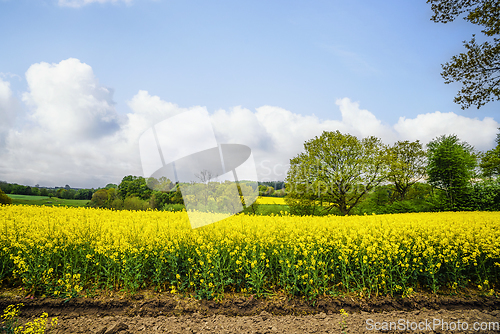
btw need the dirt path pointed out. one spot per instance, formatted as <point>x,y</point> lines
<point>430,321</point>
<point>149,313</point>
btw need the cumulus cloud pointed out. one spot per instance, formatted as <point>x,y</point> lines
<point>71,116</point>
<point>68,101</point>
<point>147,110</point>
<point>81,3</point>
<point>425,127</point>
<point>73,134</point>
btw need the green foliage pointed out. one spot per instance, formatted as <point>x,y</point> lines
<point>5,187</point>
<point>485,196</point>
<point>19,189</point>
<point>381,200</point>
<point>267,209</point>
<point>334,173</point>
<point>159,199</point>
<point>265,191</point>
<point>477,69</point>
<point>99,198</point>
<point>223,197</point>
<point>451,167</point>
<point>135,203</point>
<point>406,162</point>
<point>134,186</point>
<point>65,193</point>
<point>4,199</point>
<point>84,194</point>
<point>490,161</point>
<point>109,198</point>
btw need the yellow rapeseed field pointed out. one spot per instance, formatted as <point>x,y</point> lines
<point>70,251</point>
<point>270,200</point>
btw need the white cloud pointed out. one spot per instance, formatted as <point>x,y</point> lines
<point>73,134</point>
<point>5,91</point>
<point>362,123</point>
<point>148,110</point>
<point>425,127</point>
<point>68,101</point>
<point>81,3</point>
<point>68,132</point>
<point>241,126</point>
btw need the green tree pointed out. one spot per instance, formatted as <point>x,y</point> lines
<point>134,186</point>
<point>4,199</point>
<point>407,164</point>
<point>478,67</point>
<point>60,192</point>
<point>334,173</point>
<point>45,192</point>
<point>451,167</point>
<point>84,194</point>
<point>99,198</point>
<point>490,161</point>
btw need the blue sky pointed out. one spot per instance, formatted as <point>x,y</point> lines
<point>290,68</point>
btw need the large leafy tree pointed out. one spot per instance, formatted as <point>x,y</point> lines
<point>407,162</point>
<point>335,171</point>
<point>478,67</point>
<point>451,167</point>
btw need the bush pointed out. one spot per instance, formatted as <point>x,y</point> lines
<point>485,196</point>
<point>117,204</point>
<point>134,203</point>
<point>4,199</point>
<point>99,198</point>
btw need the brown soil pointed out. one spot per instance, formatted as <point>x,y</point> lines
<point>164,313</point>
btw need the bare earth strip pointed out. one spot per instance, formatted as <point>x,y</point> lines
<point>165,313</point>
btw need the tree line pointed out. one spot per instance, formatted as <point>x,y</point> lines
<point>65,192</point>
<point>133,192</point>
<point>139,193</point>
<point>341,174</point>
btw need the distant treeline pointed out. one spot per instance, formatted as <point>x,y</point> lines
<point>65,192</point>
<point>133,193</point>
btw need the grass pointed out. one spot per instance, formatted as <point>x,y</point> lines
<point>27,197</point>
<point>45,200</point>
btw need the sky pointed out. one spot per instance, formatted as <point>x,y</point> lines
<point>82,80</point>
